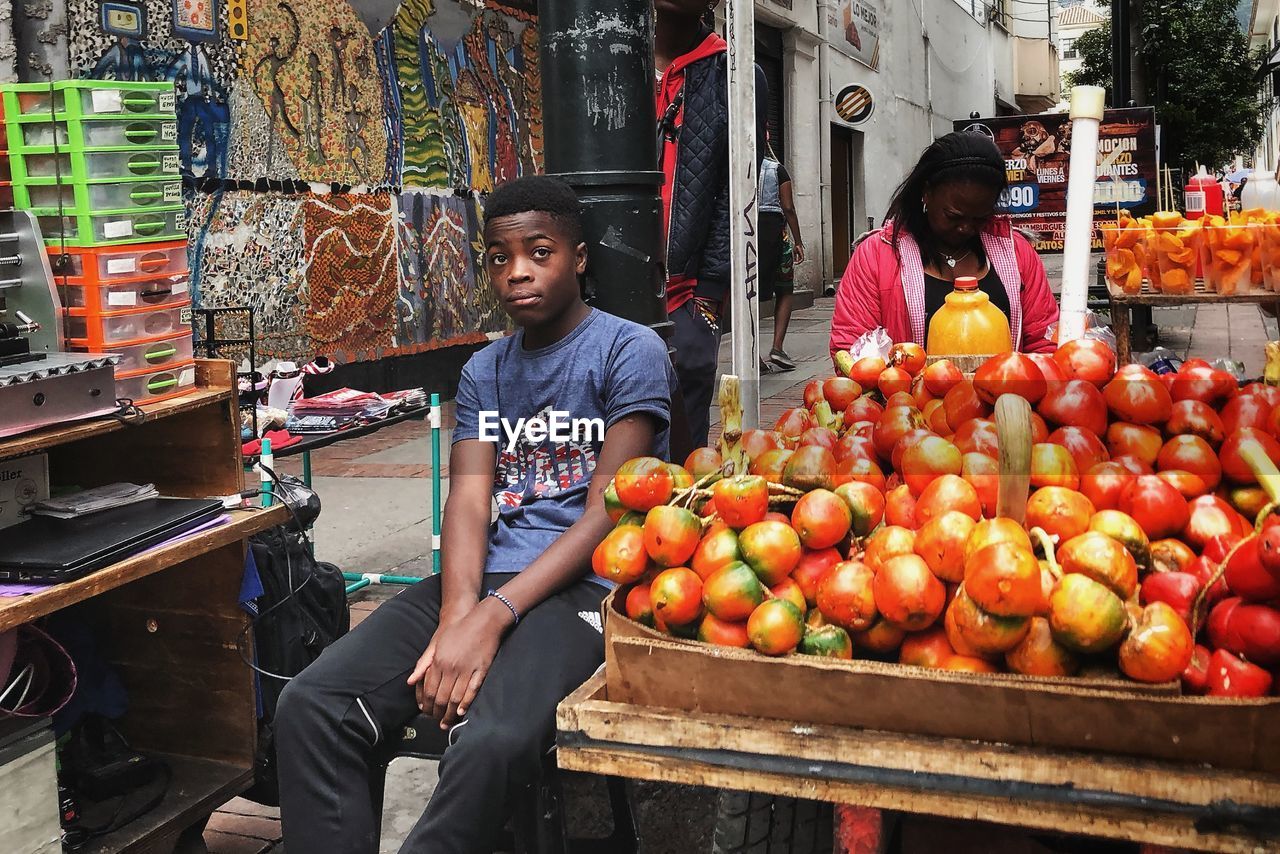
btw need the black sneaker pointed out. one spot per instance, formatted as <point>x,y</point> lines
<point>782,360</point>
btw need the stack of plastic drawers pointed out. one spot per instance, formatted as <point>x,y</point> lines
<point>97,163</point>
<point>6,175</point>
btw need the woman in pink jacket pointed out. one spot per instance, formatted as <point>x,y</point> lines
<point>941,224</point>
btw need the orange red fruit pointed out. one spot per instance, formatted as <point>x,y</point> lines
<point>671,534</point>
<point>866,506</point>
<point>1038,654</point>
<point>1084,615</point>
<point>772,549</point>
<point>741,500</point>
<point>1004,580</point>
<point>887,542</point>
<point>643,483</point>
<point>975,631</point>
<point>821,519</point>
<point>941,543</point>
<point>775,627</point>
<point>946,493</point>
<point>732,592</point>
<point>621,557</point>
<point>1158,648</point>
<point>845,596</point>
<point>716,631</point>
<point>676,595</point>
<point>908,594</point>
<point>716,549</point>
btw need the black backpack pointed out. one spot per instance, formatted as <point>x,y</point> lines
<point>290,632</point>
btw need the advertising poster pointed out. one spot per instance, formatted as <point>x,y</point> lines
<point>1037,150</point>
<point>858,25</point>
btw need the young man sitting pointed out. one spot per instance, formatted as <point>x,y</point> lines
<point>511,625</point>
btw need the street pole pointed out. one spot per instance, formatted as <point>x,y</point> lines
<point>743,184</point>
<point>1121,53</point>
<point>600,136</point>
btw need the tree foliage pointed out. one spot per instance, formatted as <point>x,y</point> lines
<point>1094,48</point>
<point>1203,77</point>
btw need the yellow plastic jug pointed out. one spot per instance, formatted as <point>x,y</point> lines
<point>968,324</point>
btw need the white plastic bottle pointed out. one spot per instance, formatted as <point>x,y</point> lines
<point>1261,191</point>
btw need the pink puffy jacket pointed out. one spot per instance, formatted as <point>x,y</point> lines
<point>877,290</point>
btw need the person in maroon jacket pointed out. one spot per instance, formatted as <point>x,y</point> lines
<point>942,225</point>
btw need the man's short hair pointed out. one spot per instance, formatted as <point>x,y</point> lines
<point>538,193</point>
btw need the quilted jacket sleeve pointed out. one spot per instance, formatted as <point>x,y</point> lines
<point>858,298</point>
<point>1039,308</point>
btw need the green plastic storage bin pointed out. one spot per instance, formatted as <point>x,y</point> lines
<point>111,228</point>
<point>90,197</point>
<point>43,164</point>
<point>74,99</point>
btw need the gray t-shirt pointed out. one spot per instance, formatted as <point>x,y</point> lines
<point>605,369</point>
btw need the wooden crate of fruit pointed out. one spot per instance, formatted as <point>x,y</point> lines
<point>897,586</point>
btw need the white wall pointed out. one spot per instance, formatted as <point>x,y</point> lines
<point>919,91</point>
<point>1266,21</point>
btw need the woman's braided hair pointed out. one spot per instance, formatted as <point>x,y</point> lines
<point>962,156</point>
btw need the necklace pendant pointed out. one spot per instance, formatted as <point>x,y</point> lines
<point>951,262</point>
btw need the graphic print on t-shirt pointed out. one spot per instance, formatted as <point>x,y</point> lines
<point>541,469</point>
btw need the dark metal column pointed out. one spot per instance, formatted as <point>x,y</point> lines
<point>600,135</point>
<point>1121,53</point>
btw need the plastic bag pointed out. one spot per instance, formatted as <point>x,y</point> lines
<point>1236,369</point>
<point>1094,328</point>
<point>1161,360</point>
<point>875,342</point>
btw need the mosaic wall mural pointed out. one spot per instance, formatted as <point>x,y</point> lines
<point>247,249</point>
<point>352,271</point>
<point>312,65</point>
<point>469,93</point>
<point>411,126</point>
<point>445,294</point>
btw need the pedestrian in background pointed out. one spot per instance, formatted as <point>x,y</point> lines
<point>781,248</point>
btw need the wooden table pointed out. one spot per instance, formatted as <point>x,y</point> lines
<point>170,617</point>
<point>1179,805</point>
<point>1122,303</point>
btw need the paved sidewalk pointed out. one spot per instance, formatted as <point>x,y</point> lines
<point>376,495</point>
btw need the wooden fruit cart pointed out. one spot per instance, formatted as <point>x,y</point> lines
<point>1102,757</point>
<point>1122,304</point>
<point>170,617</point>
<point>1178,804</point>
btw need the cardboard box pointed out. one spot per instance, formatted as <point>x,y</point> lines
<point>645,667</point>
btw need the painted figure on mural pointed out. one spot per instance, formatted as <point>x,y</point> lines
<point>531,113</point>
<point>476,109</point>
<point>513,88</point>
<point>355,122</point>
<point>481,47</point>
<point>274,61</point>
<point>313,111</point>
<point>447,263</point>
<point>491,65</point>
<point>338,41</point>
<point>453,140</point>
<point>412,324</point>
<point>204,118</point>
<point>126,60</point>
